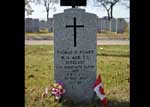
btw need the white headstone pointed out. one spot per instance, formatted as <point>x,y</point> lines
<point>75,53</point>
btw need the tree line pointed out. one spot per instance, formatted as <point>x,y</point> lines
<point>108,5</point>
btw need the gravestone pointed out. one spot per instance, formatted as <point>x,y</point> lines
<point>28,25</point>
<point>99,24</point>
<point>50,24</point>
<point>102,24</point>
<point>121,25</point>
<point>35,25</point>
<point>75,53</point>
<point>113,25</point>
<point>107,25</point>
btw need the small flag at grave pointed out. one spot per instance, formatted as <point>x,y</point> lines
<point>99,89</point>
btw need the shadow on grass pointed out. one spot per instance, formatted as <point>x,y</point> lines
<point>96,103</point>
<point>114,55</point>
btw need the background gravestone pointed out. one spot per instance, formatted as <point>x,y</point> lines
<point>113,25</point>
<point>35,25</point>
<point>121,25</point>
<point>99,25</point>
<point>102,23</point>
<point>50,24</point>
<point>28,25</point>
<point>107,25</point>
<point>75,53</point>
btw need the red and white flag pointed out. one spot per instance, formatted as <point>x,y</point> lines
<point>99,89</point>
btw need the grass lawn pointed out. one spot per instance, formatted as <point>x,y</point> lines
<point>112,63</point>
<point>113,34</point>
<point>40,34</point>
<point>104,34</point>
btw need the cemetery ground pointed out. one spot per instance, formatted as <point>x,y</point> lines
<point>49,35</point>
<point>112,64</point>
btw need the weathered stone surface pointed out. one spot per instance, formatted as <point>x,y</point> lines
<point>75,53</point>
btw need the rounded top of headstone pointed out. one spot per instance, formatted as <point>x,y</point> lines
<point>74,9</point>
